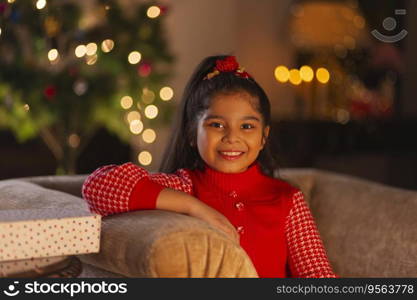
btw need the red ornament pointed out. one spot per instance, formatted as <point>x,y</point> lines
<point>164,9</point>
<point>50,92</point>
<point>144,69</point>
<point>229,64</point>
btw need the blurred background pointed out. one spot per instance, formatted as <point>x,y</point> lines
<point>89,83</point>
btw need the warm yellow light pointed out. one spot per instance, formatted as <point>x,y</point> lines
<point>126,102</point>
<point>306,73</point>
<point>91,60</point>
<point>91,49</point>
<point>40,4</point>
<point>53,54</point>
<point>145,158</point>
<point>149,136</point>
<point>133,115</point>
<point>107,45</point>
<point>153,12</point>
<point>322,75</point>
<point>26,107</point>
<point>282,74</point>
<point>295,77</point>
<point>10,1</point>
<point>80,51</point>
<point>136,126</point>
<point>74,140</point>
<point>151,111</point>
<point>166,93</point>
<point>147,96</point>
<point>0,30</point>
<point>134,57</point>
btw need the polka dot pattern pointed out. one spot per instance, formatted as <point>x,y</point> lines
<point>49,237</point>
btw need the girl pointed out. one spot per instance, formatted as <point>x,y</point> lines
<point>219,168</point>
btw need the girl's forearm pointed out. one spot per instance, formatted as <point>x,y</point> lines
<point>176,201</point>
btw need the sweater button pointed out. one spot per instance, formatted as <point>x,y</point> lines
<point>240,229</point>
<point>233,194</point>
<point>240,206</point>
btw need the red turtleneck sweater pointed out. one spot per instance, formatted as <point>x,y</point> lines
<point>275,224</point>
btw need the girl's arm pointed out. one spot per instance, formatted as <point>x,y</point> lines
<point>120,188</point>
<point>114,189</point>
<point>307,256</point>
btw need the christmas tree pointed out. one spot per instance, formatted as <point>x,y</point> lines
<point>65,74</point>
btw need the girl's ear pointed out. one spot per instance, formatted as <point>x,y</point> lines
<point>265,135</point>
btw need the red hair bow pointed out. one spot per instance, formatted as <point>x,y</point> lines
<point>228,64</point>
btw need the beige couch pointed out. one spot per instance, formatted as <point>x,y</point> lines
<point>369,230</point>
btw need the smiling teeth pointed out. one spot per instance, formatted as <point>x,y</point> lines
<point>231,153</point>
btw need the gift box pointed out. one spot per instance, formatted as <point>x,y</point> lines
<point>48,232</point>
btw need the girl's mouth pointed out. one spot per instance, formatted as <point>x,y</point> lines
<point>231,155</point>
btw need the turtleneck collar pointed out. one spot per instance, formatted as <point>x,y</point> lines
<point>250,179</point>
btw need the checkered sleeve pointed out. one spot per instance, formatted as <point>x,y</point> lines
<point>307,256</point>
<point>115,189</point>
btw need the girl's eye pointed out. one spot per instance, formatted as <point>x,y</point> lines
<point>216,125</point>
<point>247,126</point>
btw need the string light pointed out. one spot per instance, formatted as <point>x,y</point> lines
<point>53,54</point>
<point>166,93</point>
<point>153,12</point>
<point>0,30</point>
<point>136,126</point>
<point>126,102</point>
<point>74,140</point>
<point>26,107</point>
<point>91,49</point>
<point>149,136</point>
<point>134,57</point>
<point>151,111</point>
<point>107,45</point>
<point>80,51</point>
<point>91,60</point>
<point>148,96</point>
<point>282,74</point>
<point>295,77</point>
<point>133,115</point>
<point>322,75</point>
<point>10,1</point>
<point>40,4</point>
<point>145,158</point>
<point>306,73</point>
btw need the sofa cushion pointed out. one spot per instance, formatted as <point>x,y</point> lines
<point>369,229</point>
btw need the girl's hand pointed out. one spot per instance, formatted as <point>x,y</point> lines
<point>204,212</point>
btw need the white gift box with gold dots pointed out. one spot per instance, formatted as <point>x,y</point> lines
<point>36,233</point>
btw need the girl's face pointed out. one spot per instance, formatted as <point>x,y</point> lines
<point>230,133</point>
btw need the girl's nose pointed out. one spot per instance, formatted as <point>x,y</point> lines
<point>231,136</point>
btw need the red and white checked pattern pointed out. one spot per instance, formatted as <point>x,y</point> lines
<point>307,256</point>
<point>107,190</point>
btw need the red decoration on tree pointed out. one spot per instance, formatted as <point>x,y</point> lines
<point>144,69</point>
<point>3,7</point>
<point>164,9</point>
<point>50,92</point>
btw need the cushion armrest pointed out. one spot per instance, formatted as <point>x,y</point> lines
<point>156,243</point>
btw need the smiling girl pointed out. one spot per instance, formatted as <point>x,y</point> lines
<point>219,167</point>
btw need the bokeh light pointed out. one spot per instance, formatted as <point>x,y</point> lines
<point>134,57</point>
<point>151,111</point>
<point>282,74</point>
<point>295,77</point>
<point>153,12</point>
<point>145,158</point>
<point>323,75</point>
<point>166,93</point>
<point>149,136</point>
<point>306,73</point>
<point>126,102</point>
